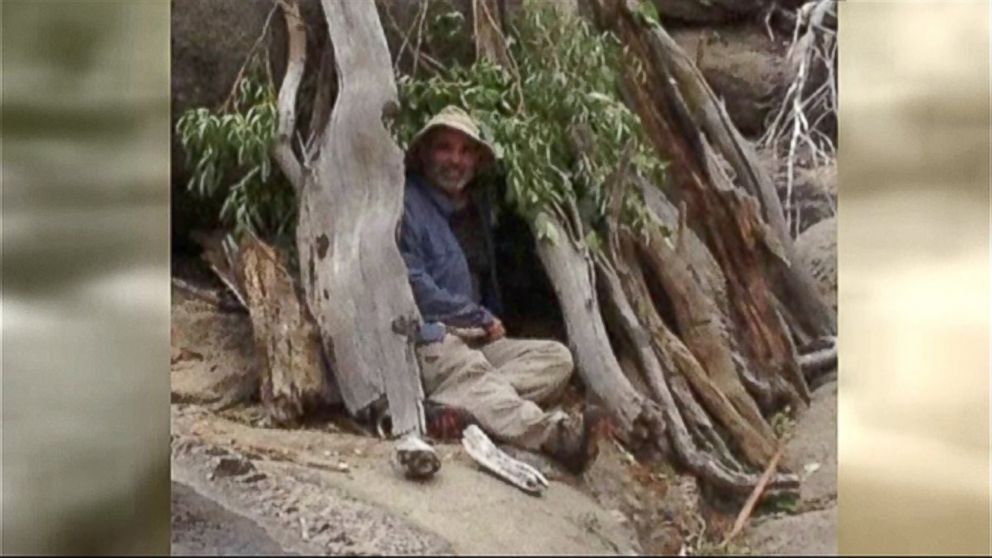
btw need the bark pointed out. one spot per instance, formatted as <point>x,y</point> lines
<point>286,103</point>
<point>721,470</point>
<point>293,377</point>
<point>707,114</point>
<point>727,218</point>
<point>572,276</point>
<point>354,277</point>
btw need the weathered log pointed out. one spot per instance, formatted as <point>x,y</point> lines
<point>707,114</point>
<point>293,377</point>
<point>726,218</point>
<point>706,466</point>
<point>354,277</point>
<point>571,273</point>
<point>480,448</point>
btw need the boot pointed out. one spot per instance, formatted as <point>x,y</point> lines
<point>446,423</point>
<point>574,443</point>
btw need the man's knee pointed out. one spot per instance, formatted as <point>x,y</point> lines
<point>560,360</point>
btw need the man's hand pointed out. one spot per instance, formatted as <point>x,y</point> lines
<point>495,330</point>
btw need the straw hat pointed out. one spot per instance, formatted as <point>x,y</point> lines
<point>456,119</point>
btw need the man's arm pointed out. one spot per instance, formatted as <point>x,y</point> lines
<point>437,304</point>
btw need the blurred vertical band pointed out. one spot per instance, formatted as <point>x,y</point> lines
<point>914,278</point>
<point>85,277</point>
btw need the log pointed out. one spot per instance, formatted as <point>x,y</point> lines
<point>350,207</point>
<point>657,370</point>
<point>572,276</point>
<point>480,448</point>
<point>293,377</point>
<point>727,218</point>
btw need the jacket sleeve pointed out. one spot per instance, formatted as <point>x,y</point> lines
<point>435,303</point>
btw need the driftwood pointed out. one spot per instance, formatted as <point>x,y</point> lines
<point>480,448</point>
<point>293,379</point>
<point>350,205</point>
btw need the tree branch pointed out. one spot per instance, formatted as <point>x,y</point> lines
<point>282,151</point>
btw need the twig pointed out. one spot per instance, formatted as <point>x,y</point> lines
<point>420,38</point>
<point>406,36</point>
<point>752,500</point>
<point>248,57</point>
<point>205,295</point>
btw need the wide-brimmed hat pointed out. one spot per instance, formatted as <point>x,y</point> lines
<point>455,118</point>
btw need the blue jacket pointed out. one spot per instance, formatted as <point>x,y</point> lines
<point>438,270</point>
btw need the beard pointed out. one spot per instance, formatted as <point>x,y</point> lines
<point>449,179</point>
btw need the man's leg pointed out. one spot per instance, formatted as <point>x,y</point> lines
<point>455,374</point>
<point>538,369</point>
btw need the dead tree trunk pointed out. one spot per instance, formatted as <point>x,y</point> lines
<point>350,202</point>
<point>350,207</point>
<point>293,379</point>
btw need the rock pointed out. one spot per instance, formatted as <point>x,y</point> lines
<point>816,249</point>
<point>231,467</point>
<point>252,479</point>
<point>743,67</point>
<point>808,534</point>
<point>814,192</point>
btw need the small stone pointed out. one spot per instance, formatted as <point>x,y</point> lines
<point>254,478</point>
<point>232,467</point>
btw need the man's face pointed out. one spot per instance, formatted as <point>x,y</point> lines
<point>450,160</point>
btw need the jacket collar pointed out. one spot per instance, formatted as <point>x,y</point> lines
<point>436,196</point>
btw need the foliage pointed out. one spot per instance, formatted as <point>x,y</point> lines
<point>782,423</point>
<point>228,154</point>
<point>565,74</point>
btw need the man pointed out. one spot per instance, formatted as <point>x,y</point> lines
<point>448,251</point>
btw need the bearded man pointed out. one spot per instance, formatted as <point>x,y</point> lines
<point>446,243</point>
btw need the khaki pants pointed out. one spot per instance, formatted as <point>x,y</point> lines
<point>500,383</point>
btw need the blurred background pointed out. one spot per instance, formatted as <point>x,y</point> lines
<point>85,312</point>
<point>913,282</point>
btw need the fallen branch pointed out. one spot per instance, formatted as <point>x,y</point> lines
<point>480,448</point>
<point>752,500</point>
